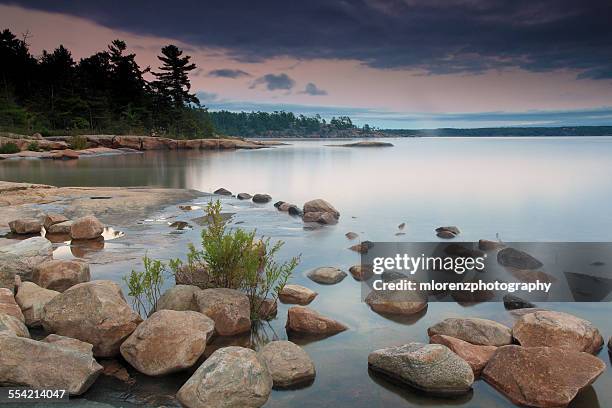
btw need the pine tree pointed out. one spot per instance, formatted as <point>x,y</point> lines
<point>173,81</point>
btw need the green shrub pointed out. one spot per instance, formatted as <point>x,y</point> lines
<point>8,148</point>
<point>33,147</point>
<point>236,259</point>
<point>78,142</point>
<point>144,287</point>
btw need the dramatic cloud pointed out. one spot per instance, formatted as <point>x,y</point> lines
<point>274,82</point>
<point>228,73</point>
<point>311,89</point>
<point>439,37</point>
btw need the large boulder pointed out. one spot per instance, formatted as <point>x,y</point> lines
<point>559,330</point>
<point>12,326</point>
<point>320,205</point>
<point>25,226</point>
<point>320,217</point>
<point>541,376</point>
<point>515,258</point>
<point>168,341</point>
<point>179,297</point>
<point>95,312</point>
<point>327,275</point>
<point>70,343</point>
<point>397,302</point>
<point>88,227</point>
<point>476,356</point>
<point>473,330</point>
<point>52,219</point>
<point>288,364</point>
<point>61,274</point>
<point>8,305</point>
<point>431,368</point>
<point>21,258</point>
<point>229,308</point>
<point>232,377</point>
<point>296,294</point>
<point>43,365</point>
<point>302,319</point>
<point>32,300</point>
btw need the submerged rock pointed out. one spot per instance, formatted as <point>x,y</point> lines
<point>431,368</point>
<point>8,305</point>
<point>261,198</point>
<point>296,294</point>
<point>327,275</point>
<point>396,302</point>
<point>558,330</point>
<point>360,272</point>
<point>21,258</point>
<point>25,226</point>
<point>486,245</point>
<point>517,259</point>
<point>43,365</point>
<point>288,364</point>
<point>222,191</point>
<point>88,227</point>
<point>541,376</point>
<point>60,275</point>
<point>229,308</point>
<point>476,356</point>
<point>512,302</point>
<point>301,319</point>
<point>351,235</point>
<point>473,330</point>
<point>12,326</point>
<point>179,297</point>
<point>32,300</point>
<point>168,341</point>
<point>95,312</point>
<point>232,377</point>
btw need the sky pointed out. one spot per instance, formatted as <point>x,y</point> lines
<point>388,63</point>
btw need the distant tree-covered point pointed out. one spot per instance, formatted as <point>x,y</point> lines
<point>505,131</point>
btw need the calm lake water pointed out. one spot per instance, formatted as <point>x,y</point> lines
<point>519,189</point>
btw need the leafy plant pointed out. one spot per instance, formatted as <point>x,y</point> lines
<point>9,147</point>
<point>144,287</point>
<point>78,142</point>
<point>34,147</point>
<point>236,259</point>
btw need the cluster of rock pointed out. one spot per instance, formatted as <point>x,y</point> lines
<point>88,227</point>
<point>544,360</point>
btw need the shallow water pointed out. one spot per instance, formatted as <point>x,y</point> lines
<point>519,189</point>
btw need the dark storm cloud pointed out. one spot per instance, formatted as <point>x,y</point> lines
<point>274,82</point>
<point>228,73</point>
<point>312,89</point>
<point>450,36</point>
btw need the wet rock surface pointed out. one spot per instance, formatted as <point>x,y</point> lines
<point>473,330</point>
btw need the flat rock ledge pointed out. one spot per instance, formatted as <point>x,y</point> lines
<point>541,377</point>
<point>288,363</point>
<point>431,368</point>
<point>481,332</point>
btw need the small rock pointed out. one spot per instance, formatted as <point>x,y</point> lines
<point>512,302</point>
<point>486,245</point>
<point>32,299</point>
<point>52,219</point>
<point>94,312</point>
<point>8,305</point>
<point>445,234</point>
<point>362,247</point>
<point>541,376</point>
<point>295,210</point>
<point>320,205</point>
<point>261,198</point>
<point>361,272</point>
<point>167,342</point>
<point>195,276</point>
<point>558,330</point>
<point>88,227</point>
<point>288,364</point>
<point>222,191</point>
<point>13,326</point>
<point>396,302</point>
<point>452,229</point>
<point>179,297</point>
<point>232,377</point>
<point>401,226</point>
<point>517,259</point>
<point>296,294</point>
<point>327,275</point>
<point>60,228</point>
<point>476,356</point>
<point>60,275</point>
<point>268,309</point>
<point>351,235</point>
<point>473,330</point>
<point>244,196</point>
<point>25,226</point>
<point>41,365</point>
<point>278,204</point>
<point>431,368</point>
<point>180,225</point>
<point>229,308</point>
<point>113,368</point>
<point>69,343</point>
<point>305,320</point>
